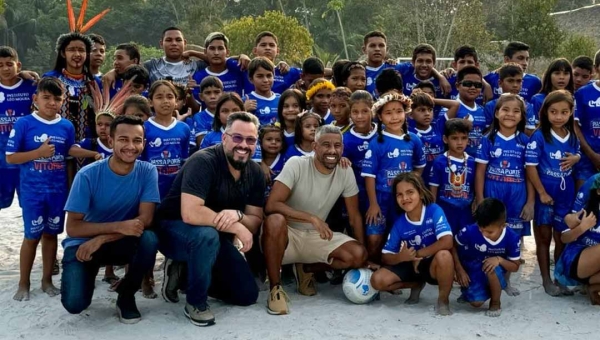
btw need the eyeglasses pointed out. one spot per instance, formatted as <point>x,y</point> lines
<point>238,139</point>
<point>475,84</point>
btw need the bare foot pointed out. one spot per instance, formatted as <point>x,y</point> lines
<point>550,288</point>
<point>415,294</point>
<point>494,311</point>
<point>22,293</point>
<point>594,294</point>
<point>511,291</point>
<point>442,308</point>
<point>564,290</point>
<point>50,289</point>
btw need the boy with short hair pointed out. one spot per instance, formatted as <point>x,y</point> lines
<point>100,144</point>
<point>469,83</point>
<point>312,68</point>
<point>139,77</point>
<point>483,253</point>
<point>517,52</point>
<point>211,89</point>
<point>15,95</point>
<point>98,54</point>
<point>510,81</point>
<point>125,55</point>
<point>266,45</point>
<point>466,55</point>
<point>422,67</point>
<point>41,143</point>
<point>583,71</point>
<point>263,102</point>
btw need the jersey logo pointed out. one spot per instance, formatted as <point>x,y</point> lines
<point>498,90</point>
<point>504,164</point>
<point>369,81</point>
<point>9,112</point>
<point>2,98</point>
<point>416,241</point>
<point>394,154</point>
<point>580,195</point>
<point>364,147</point>
<point>165,154</point>
<point>497,153</point>
<point>556,155</point>
<point>402,166</point>
<point>532,145</point>
<point>482,248</point>
<point>156,143</point>
<point>39,221</point>
<point>40,139</point>
<point>54,220</point>
<point>265,111</point>
<point>368,154</point>
<point>12,133</point>
<point>591,103</point>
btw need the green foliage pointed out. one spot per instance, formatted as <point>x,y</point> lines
<point>147,52</point>
<point>575,45</point>
<point>295,43</point>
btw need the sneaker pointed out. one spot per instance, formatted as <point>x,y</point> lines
<point>170,282</point>
<point>305,282</point>
<point>199,317</point>
<point>277,304</point>
<point>127,309</point>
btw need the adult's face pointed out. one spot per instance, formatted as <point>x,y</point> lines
<point>328,150</point>
<point>239,143</point>
<point>127,142</point>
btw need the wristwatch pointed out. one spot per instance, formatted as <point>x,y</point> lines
<point>240,215</point>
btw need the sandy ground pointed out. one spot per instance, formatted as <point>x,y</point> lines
<point>532,315</point>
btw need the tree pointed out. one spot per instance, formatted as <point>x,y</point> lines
<point>337,6</point>
<point>575,45</point>
<point>295,43</point>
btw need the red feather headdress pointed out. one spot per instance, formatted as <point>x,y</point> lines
<point>79,26</point>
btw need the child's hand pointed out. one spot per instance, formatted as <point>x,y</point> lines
<point>546,199</point>
<point>243,62</point>
<point>416,263</point>
<point>98,156</point>
<point>588,221</point>
<point>46,149</point>
<point>490,264</point>
<point>445,85</point>
<point>267,172</point>
<point>191,83</point>
<point>473,206</point>
<point>391,61</point>
<point>527,212</point>
<point>449,72</point>
<point>407,254</point>
<point>249,104</point>
<point>373,214</point>
<point>345,163</point>
<point>182,118</point>
<point>283,67</point>
<point>568,161</point>
<point>462,277</point>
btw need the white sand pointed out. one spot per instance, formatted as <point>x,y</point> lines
<point>533,315</point>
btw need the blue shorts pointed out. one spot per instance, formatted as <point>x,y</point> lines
<point>554,215</point>
<point>43,213</point>
<point>562,269</point>
<point>584,169</point>
<point>8,185</point>
<point>479,287</point>
<point>458,218</point>
<point>514,197</point>
<point>388,208</point>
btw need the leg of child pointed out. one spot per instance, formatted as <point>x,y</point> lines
<point>559,246</point>
<point>495,293</point>
<point>109,275</point>
<point>589,267</point>
<point>49,245</point>
<point>386,281</point>
<point>27,256</point>
<point>374,245</point>
<point>543,238</point>
<point>442,270</point>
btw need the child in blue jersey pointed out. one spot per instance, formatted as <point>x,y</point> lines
<point>483,253</point>
<point>551,155</point>
<point>389,80</point>
<point>418,248</point>
<point>227,104</point>
<point>510,81</point>
<point>266,45</point>
<point>469,82</point>
<point>272,145</point>
<point>100,144</point>
<point>216,52</point>
<point>125,55</point>
<point>211,89</point>
<point>312,69</point>
<point>466,56</point>
<point>318,98</point>
<point>137,106</point>
<point>583,71</point>
<point>375,49</point>
<point>452,176</point>
<point>517,52</point>
<point>40,143</point>
<point>558,76</point>
<point>263,102</point>
<point>291,103</point>
<point>167,139</point>
<point>354,76</point>
<point>394,151</point>
<point>304,135</point>
<point>340,108</point>
<point>500,169</point>
<point>15,95</point>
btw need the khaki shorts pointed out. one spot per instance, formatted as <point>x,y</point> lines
<point>307,246</point>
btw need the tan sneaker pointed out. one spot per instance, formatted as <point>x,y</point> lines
<point>277,304</point>
<point>305,281</point>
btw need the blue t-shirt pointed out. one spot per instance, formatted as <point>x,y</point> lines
<point>294,150</point>
<point>454,92</point>
<point>355,148</point>
<point>212,138</point>
<point>533,110</point>
<point>474,248</point>
<point>531,85</point>
<point>99,147</point>
<point>203,122</point>
<point>433,143</point>
<point>232,78</point>
<point>418,234</point>
<point>289,138</point>
<point>480,124</point>
<point>455,179</point>
<point>587,113</point>
<point>94,194</point>
<point>384,161</point>
<point>281,82</point>
<point>505,158</point>
<point>167,148</point>
<point>15,102</point>
<point>42,175</point>
<point>546,155</point>
<point>266,108</point>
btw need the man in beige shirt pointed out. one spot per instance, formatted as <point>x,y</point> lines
<point>295,230</point>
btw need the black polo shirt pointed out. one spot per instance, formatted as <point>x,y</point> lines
<point>206,175</point>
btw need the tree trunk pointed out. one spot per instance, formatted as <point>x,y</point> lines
<point>337,13</point>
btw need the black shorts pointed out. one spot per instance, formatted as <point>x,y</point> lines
<point>406,272</point>
<point>573,270</point>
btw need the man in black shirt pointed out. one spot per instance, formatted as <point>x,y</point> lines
<point>215,202</point>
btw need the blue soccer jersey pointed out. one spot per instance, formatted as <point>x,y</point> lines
<point>95,145</point>
<point>587,114</point>
<point>455,180</point>
<point>546,156</point>
<point>505,158</point>
<point>355,148</point>
<point>203,121</point>
<point>167,147</point>
<point>15,102</point>
<point>371,74</point>
<point>418,234</point>
<point>454,92</point>
<point>531,85</point>
<point>474,247</point>
<point>266,108</point>
<point>42,175</point>
<point>294,150</point>
<point>480,123</point>
<point>411,80</point>
<point>281,82</point>
<point>289,138</point>
<point>384,161</point>
<point>212,138</point>
<point>533,111</point>
<point>433,143</point>
<point>232,78</point>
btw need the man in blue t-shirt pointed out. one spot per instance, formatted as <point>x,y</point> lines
<point>107,226</point>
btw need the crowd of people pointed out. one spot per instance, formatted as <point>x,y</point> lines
<point>237,169</point>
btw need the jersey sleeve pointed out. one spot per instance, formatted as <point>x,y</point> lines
<point>581,199</point>
<point>291,173</point>
<point>16,138</point>
<point>437,173</point>
<point>419,159</point>
<point>534,150</point>
<point>579,106</point>
<point>393,245</point>
<point>371,162</point>
<point>70,141</point>
<point>81,194</point>
<point>85,144</point>
<point>530,118</point>
<point>462,238</point>
<point>483,151</point>
<point>404,68</point>
<point>150,192</point>
<point>442,228</point>
<point>513,248</point>
<point>488,112</point>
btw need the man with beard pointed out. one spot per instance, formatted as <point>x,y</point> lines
<point>296,232</point>
<point>213,208</point>
<point>108,226</point>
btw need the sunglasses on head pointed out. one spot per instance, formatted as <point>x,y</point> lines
<point>238,139</point>
<point>475,84</point>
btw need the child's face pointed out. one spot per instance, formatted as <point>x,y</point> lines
<point>357,79</point>
<point>466,61</point>
<point>393,117</point>
<point>340,109</point>
<point>291,109</point>
<point>309,128</point>
<point>559,114</point>
<point>308,78</point>
<point>75,54</point>
<point>216,52</point>
<point>361,115</point>
<point>457,142</point>
<point>423,63</point>
<point>422,115</point>
<point>470,87</point>
<point>48,105</point>
<point>226,109</point>
<point>272,143</point>
<point>521,58</point>
<point>137,88</point>
<point>509,114</point>
<point>560,79</point>
<point>103,126</point>
<point>135,111</point>
<point>581,77</point>
<point>97,55</point>
<point>375,49</point>
<point>262,80</point>
<point>164,101</point>
<point>210,97</point>
<point>173,44</point>
<point>9,68</point>
<point>493,231</point>
<point>121,61</point>
<point>512,84</point>
<point>407,196</point>
<point>320,101</point>
<point>267,47</point>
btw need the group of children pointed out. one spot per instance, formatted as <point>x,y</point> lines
<point>451,166</point>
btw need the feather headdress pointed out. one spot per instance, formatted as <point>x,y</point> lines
<point>103,105</point>
<point>79,26</point>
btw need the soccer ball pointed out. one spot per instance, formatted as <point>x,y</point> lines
<point>357,286</point>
